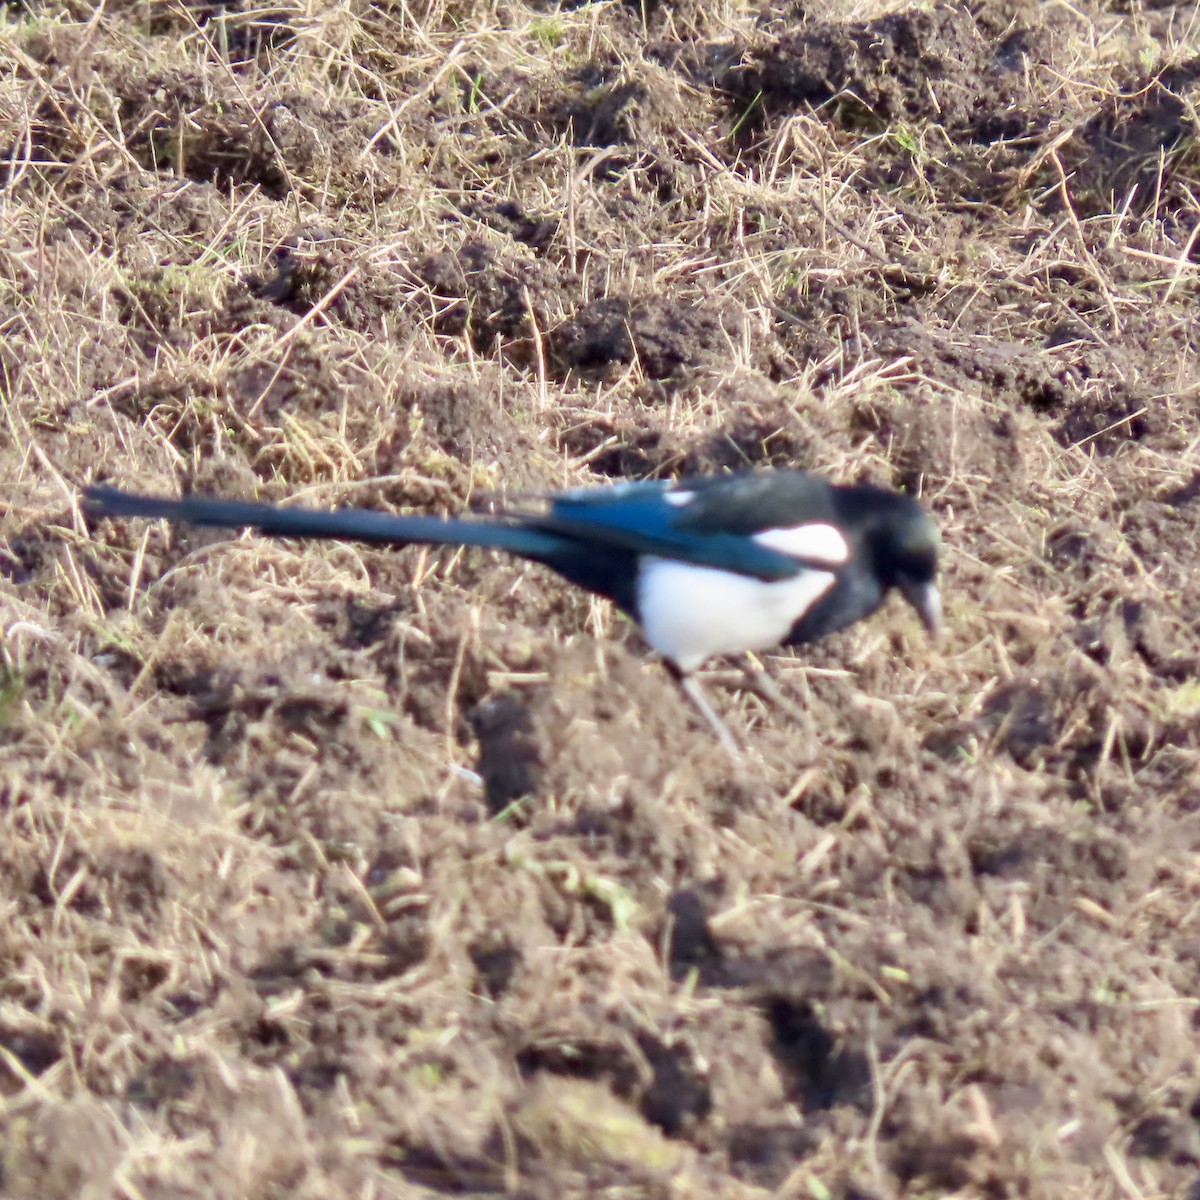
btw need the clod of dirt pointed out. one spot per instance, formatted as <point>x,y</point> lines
<point>1010,372</point>
<point>931,439</point>
<point>598,335</point>
<point>1163,1136</point>
<point>509,758</point>
<point>822,1071</point>
<point>691,945</point>
<point>315,267</point>
<point>602,103</point>
<point>131,879</point>
<point>665,336</point>
<point>910,65</point>
<point>1161,638</point>
<point>1178,497</point>
<point>1020,720</point>
<point>510,217</point>
<point>601,112</point>
<point>492,299</point>
<point>627,449</point>
<point>306,265</point>
<point>35,1049</point>
<point>678,1096</point>
<point>495,963</point>
<point>956,93</point>
<point>1136,145</point>
<point>1079,383</point>
<point>174,119</point>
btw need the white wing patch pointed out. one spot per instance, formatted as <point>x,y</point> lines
<point>690,613</point>
<point>679,499</point>
<point>817,541</point>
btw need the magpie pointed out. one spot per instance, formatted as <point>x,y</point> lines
<point>706,566</point>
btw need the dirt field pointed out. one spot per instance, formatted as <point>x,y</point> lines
<point>327,871</point>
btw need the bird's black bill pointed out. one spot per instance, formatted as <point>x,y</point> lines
<point>927,601</point>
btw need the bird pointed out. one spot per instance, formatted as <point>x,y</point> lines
<point>706,566</point>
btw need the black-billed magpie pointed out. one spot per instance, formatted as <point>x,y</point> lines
<point>708,565</point>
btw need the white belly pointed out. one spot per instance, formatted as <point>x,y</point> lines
<point>689,613</point>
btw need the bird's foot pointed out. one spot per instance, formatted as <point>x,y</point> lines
<point>691,689</point>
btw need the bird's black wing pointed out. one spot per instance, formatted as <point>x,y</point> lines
<point>708,522</point>
<point>751,502</point>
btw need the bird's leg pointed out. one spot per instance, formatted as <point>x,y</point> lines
<point>691,689</point>
<point>769,690</point>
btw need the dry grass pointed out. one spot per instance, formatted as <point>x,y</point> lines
<point>326,871</point>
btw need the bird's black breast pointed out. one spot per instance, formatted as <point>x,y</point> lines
<point>856,594</point>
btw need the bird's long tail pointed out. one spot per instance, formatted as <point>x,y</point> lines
<point>347,524</point>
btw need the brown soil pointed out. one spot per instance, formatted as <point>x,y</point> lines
<point>328,871</point>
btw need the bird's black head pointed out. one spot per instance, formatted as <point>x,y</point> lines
<point>906,555</point>
<point>903,544</point>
